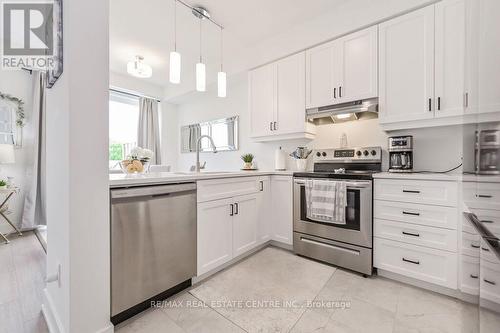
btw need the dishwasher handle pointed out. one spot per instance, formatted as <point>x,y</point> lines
<point>152,190</point>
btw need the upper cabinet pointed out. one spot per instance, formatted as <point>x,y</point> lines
<point>343,70</point>
<point>277,100</point>
<point>422,64</point>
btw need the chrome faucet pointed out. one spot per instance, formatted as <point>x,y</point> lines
<point>198,166</point>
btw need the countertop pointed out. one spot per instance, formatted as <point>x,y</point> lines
<point>155,178</point>
<point>438,176</point>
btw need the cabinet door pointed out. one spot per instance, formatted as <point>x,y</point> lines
<point>245,223</point>
<point>291,83</point>
<point>262,100</point>
<point>215,234</point>
<point>358,63</point>
<point>282,201</point>
<point>450,58</point>
<point>406,65</point>
<point>319,68</point>
<point>265,210</point>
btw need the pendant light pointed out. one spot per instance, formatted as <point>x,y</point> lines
<point>175,57</point>
<point>201,75</point>
<point>221,75</point>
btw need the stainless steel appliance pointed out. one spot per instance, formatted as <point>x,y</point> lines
<point>347,245</point>
<point>401,153</point>
<point>153,245</point>
<point>488,152</point>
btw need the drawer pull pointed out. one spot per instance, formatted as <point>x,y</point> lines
<point>411,191</point>
<point>475,246</point>
<point>411,261</point>
<point>484,196</point>
<point>411,234</point>
<point>485,249</point>
<point>486,221</point>
<point>474,276</point>
<point>490,282</point>
<point>410,213</point>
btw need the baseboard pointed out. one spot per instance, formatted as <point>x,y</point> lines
<point>109,329</point>
<point>281,245</point>
<point>50,314</point>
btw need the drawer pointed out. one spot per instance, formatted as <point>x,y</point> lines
<point>421,263</point>
<point>215,189</point>
<point>482,195</point>
<point>417,191</point>
<point>487,253</point>
<point>470,244</point>
<point>469,275</point>
<point>436,238</point>
<point>490,219</point>
<point>490,281</point>
<point>434,216</point>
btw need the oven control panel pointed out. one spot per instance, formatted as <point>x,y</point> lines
<point>362,154</point>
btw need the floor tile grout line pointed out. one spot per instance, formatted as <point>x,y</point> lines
<point>199,299</point>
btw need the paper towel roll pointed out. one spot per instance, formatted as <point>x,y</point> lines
<point>280,159</point>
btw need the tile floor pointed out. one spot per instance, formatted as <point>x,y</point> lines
<point>22,272</point>
<point>339,301</point>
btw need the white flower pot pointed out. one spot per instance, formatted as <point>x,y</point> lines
<point>301,164</point>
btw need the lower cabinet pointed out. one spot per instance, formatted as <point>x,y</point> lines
<point>282,209</point>
<point>265,209</point>
<point>245,223</point>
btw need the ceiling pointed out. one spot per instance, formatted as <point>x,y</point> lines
<point>146,28</point>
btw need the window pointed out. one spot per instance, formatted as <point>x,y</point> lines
<point>123,123</point>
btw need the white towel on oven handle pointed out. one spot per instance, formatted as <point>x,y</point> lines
<point>326,201</point>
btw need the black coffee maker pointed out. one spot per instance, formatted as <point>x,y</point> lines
<point>401,153</point>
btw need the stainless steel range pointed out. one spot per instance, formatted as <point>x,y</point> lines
<point>348,244</point>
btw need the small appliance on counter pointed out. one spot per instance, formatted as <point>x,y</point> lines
<point>401,153</point>
<point>488,152</point>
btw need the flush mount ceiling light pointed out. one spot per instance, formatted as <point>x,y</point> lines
<point>138,68</point>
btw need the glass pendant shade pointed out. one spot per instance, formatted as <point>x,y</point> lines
<point>175,67</point>
<point>201,77</point>
<point>221,84</point>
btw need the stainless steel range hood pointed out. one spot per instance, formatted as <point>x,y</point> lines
<point>362,109</point>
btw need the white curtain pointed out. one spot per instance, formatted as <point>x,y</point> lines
<point>148,134</point>
<point>34,202</point>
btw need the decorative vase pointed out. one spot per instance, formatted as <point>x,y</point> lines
<point>247,165</point>
<point>301,164</point>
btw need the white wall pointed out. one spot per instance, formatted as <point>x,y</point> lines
<point>18,84</point>
<point>133,84</point>
<point>77,176</point>
<point>436,149</point>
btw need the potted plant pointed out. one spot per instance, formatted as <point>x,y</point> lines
<point>137,161</point>
<point>3,184</point>
<point>247,159</point>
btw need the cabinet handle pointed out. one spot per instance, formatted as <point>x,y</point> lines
<point>466,99</point>
<point>484,196</point>
<point>486,221</point>
<point>340,91</point>
<point>474,276</point>
<point>416,262</point>
<point>275,126</point>
<point>335,92</point>
<point>410,191</point>
<point>411,234</point>
<point>430,104</point>
<point>232,210</point>
<point>485,249</point>
<point>474,246</point>
<point>410,213</point>
<point>439,103</point>
<point>261,186</point>
<point>490,282</point>
<point>271,125</point>
<point>236,209</point>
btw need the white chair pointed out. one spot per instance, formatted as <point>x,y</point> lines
<point>159,168</point>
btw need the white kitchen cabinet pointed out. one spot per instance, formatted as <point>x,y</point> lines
<point>277,100</point>
<point>406,67</point>
<point>450,58</point>
<point>262,102</point>
<point>215,234</point>
<point>265,209</point>
<point>343,70</point>
<point>245,223</point>
<point>282,209</point>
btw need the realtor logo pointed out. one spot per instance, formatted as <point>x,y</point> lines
<point>26,27</point>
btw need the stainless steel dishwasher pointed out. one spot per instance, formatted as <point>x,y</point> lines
<point>153,245</point>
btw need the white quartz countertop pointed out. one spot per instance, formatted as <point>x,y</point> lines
<point>418,176</point>
<point>154,178</point>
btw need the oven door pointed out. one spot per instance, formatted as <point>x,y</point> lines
<point>359,224</point>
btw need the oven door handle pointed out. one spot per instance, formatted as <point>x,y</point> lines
<point>349,184</point>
